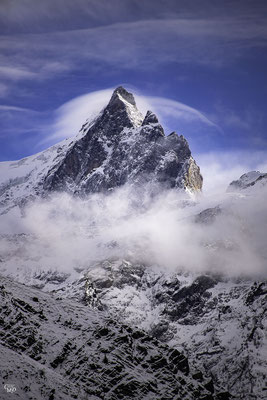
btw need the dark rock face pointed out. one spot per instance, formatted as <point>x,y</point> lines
<point>121,146</point>
<point>190,300</point>
<point>257,290</point>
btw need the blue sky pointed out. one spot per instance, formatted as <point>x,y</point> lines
<point>200,65</point>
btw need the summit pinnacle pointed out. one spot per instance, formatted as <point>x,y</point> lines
<point>150,118</point>
<point>121,94</point>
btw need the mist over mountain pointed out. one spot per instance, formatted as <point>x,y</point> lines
<point>114,218</point>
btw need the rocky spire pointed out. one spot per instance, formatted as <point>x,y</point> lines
<point>121,147</point>
<point>150,118</point>
<point>120,96</point>
<point>122,111</point>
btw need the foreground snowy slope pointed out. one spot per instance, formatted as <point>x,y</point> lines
<point>219,322</point>
<point>59,349</point>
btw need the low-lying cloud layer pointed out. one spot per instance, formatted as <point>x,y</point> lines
<point>67,233</point>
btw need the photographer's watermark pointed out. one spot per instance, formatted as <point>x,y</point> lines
<point>10,387</point>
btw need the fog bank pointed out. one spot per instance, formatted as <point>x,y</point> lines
<point>67,233</point>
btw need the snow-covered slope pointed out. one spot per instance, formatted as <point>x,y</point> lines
<point>250,181</point>
<point>22,180</point>
<point>59,349</point>
<point>219,322</point>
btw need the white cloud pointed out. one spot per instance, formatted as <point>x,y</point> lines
<point>69,232</point>
<point>71,115</point>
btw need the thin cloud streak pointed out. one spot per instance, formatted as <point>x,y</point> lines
<point>139,44</point>
<point>12,108</point>
<point>52,15</point>
<point>16,73</point>
<point>175,109</point>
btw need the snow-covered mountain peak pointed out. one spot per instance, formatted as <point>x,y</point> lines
<point>122,107</point>
<point>248,180</point>
<point>124,96</point>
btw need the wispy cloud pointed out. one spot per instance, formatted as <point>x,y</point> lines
<point>12,108</point>
<point>140,44</point>
<point>16,73</point>
<point>175,109</point>
<point>245,119</point>
<point>17,122</point>
<point>51,15</point>
<point>72,115</point>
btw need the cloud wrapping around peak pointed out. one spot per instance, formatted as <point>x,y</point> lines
<point>70,116</point>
